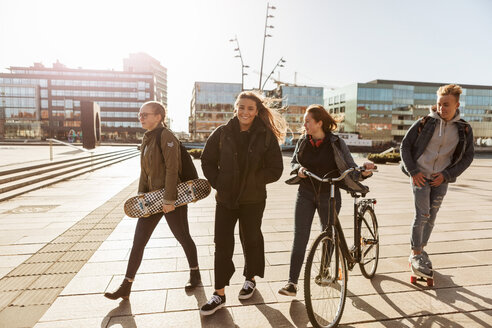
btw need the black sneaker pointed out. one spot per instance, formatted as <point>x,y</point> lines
<point>288,290</point>
<point>247,290</point>
<point>215,303</point>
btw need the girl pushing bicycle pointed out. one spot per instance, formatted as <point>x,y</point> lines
<point>326,155</point>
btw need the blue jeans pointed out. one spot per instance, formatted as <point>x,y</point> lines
<point>306,205</point>
<point>427,200</point>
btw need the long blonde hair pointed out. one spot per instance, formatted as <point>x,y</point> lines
<point>270,117</point>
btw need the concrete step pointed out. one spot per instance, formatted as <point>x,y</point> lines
<point>23,168</point>
<point>50,178</point>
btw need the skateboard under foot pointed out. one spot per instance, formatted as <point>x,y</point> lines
<point>419,276</point>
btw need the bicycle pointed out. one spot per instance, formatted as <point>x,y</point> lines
<point>325,275</point>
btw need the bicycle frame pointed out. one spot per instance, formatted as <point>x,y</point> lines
<point>355,256</point>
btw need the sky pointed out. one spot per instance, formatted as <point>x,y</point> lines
<point>324,42</point>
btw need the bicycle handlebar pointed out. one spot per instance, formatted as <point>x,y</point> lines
<point>341,177</point>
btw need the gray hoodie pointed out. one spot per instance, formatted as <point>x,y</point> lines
<point>439,152</point>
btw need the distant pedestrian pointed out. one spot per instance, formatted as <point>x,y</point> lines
<point>160,167</point>
<point>326,155</point>
<point>434,152</point>
<point>239,159</point>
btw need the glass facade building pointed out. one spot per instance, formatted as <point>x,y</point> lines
<point>383,110</point>
<point>294,101</point>
<point>38,102</point>
<point>212,104</point>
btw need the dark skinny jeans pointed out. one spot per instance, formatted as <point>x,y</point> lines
<point>250,217</point>
<point>306,205</point>
<point>178,223</point>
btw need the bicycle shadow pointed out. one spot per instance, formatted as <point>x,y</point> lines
<point>221,318</point>
<point>448,295</point>
<point>120,316</point>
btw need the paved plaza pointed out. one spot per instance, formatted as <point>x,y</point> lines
<point>63,246</point>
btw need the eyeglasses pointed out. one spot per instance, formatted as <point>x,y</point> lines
<point>144,115</point>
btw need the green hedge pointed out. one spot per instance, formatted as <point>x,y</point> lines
<point>195,153</point>
<point>385,158</point>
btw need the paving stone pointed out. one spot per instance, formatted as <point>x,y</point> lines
<point>97,306</point>
<point>78,323</point>
<point>6,298</point>
<point>44,257</point>
<point>16,283</point>
<point>81,246</point>
<point>56,248</point>
<point>52,281</point>
<point>76,256</point>
<point>37,297</point>
<point>21,317</point>
<point>30,269</point>
<point>173,319</point>
<point>65,267</point>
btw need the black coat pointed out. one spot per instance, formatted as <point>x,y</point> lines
<point>262,163</point>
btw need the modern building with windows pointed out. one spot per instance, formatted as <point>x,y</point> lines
<point>383,110</point>
<point>141,62</point>
<point>39,102</point>
<point>294,101</point>
<point>212,104</point>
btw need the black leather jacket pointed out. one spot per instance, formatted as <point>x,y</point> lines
<point>263,163</point>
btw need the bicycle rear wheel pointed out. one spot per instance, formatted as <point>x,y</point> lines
<point>369,242</point>
<point>325,282</point>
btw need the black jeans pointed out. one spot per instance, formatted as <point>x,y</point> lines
<point>178,223</point>
<point>249,216</point>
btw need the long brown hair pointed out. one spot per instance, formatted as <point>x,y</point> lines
<point>158,108</point>
<point>270,116</point>
<point>319,113</point>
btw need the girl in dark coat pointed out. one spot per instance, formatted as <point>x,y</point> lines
<point>239,159</point>
<point>326,155</point>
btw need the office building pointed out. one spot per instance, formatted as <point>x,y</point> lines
<point>212,104</point>
<point>294,100</point>
<point>40,102</point>
<point>383,110</point>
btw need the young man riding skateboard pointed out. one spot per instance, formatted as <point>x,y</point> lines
<point>434,152</point>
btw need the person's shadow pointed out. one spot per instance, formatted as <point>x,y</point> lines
<point>298,313</point>
<point>120,316</point>
<point>221,318</point>
<point>450,293</point>
<point>274,316</point>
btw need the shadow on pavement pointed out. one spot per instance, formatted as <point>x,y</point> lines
<point>450,294</point>
<point>120,316</point>
<point>298,313</point>
<point>221,318</point>
<point>274,316</point>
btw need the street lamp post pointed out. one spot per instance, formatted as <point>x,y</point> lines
<point>279,64</point>
<point>242,63</point>
<point>265,35</point>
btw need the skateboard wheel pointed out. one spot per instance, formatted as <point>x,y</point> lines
<point>413,280</point>
<point>430,282</point>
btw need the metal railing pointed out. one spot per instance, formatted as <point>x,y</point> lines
<point>52,140</point>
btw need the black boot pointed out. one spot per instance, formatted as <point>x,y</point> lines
<point>195,279</point>
<point>123,291</point>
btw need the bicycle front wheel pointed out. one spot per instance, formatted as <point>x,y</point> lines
<point>369,242</point>
<point>325,282</point>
